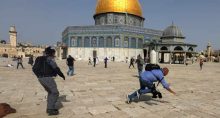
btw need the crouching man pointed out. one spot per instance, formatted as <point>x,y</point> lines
<point>147,79</point>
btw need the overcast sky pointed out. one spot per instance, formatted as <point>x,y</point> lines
<point>42,21</point>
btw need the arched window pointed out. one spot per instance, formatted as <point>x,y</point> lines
<point>178,48</point>
<point>101,41</point>
<point>133,43</point>
<point>140,43</point>
<point>86,42</point>
<point>163,48</point>
<point>79,42</point>
<point>109,42</point>
<point>190,49</point>
<point>126,42</point>
<point>94,42</point>
<point>73,41</point>
<point>117,41</point>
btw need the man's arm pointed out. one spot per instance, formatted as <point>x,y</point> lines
<point>171,91</point>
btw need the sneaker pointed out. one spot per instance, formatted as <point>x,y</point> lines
<point>128,100</point>
<point>52,112</point>
<point>138,94</point>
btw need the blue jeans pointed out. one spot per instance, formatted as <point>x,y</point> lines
<point>144,88</point>
<point>70,71</point>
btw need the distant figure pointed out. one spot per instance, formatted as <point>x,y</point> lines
<point>90,61</point>
<point>70,63</point>
<point>106,62</point>
<point>113,58</point>
<point>97,60</point>
<point>94,61</point>
<point>131,62</point>
<point>126,59</point>
<point>46,69</point>
<point>140,64</point>
<point>31,60</point>
<point>19,62</point>
<point>201,63</point>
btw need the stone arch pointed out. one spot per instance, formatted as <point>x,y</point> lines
<point>109,42</point>
<point>86,42</point>
<point>133,43</point>
<point>126,42</point>
<point>79,41</point>
<point>164,48</point>
<point>190,49</point>
<point>73,41</point>
<point>101,42</point>
<point>140,43</point>
<point>117,41</point>
<point>94,42</point>
<point>178,48</point>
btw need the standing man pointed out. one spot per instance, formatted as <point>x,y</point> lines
<point>70,63</point>
<point>113,58</point>
<point>31,60</point>
<point>19,62</point>
<point>148,77</point>
<point>94,61</point>
<point>45,68</point>
<point>140,64</point>
<point>106,62</point>
<point>131,62</point>
<point>201,63</point>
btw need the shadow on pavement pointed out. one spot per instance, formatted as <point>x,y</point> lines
<point>149,100</point>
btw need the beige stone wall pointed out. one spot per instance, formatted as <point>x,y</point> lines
<point>8,49</point>
<point>119,53</point>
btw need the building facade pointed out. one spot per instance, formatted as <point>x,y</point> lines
<point>118,31</point>
<point>14,49</point>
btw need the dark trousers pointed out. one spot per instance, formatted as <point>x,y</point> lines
<point>105,65</point>
<point>131,64</point>
<point>20,64</point>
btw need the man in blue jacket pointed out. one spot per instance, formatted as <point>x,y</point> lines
<point>148,78</point>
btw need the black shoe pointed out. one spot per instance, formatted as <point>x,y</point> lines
<point>154,95</point>
<point>159,95</point>
<point>52,112</point>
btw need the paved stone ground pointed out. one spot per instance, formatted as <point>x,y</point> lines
<point>100,93</point>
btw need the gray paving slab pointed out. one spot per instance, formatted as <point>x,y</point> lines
<point>100,93</point>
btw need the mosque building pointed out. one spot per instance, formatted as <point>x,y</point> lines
<point>119,32</point>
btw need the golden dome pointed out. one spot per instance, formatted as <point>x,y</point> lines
<point>121,6</point>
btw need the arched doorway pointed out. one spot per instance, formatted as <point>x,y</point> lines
<point>178,55</point>
<point>163,50</point>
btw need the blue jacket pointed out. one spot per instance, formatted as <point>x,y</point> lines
<point>153,76</point>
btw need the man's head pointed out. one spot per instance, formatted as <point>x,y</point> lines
<point>49,51</point>
<point>165,71</point>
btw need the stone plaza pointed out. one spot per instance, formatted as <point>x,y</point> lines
<point>96,92</point>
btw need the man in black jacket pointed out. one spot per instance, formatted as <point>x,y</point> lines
<point>46,69</point>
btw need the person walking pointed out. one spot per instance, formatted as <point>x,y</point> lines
<point>70,63</point>
<point>201,63</point>
<point>131,62</point>
<point>31,60</point>
<point>19,62</point>
<point>94,61</point>
<point>148,77</point>
<point>45,68</point>
<point>106,62</point>
<point>90,62</point>
<point>140,64</point>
